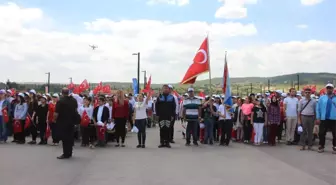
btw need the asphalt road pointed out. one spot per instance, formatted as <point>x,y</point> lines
<point>237,164</point>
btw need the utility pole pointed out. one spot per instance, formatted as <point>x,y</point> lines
<point>70,80</point>
<point>298,81</point>
<point>138,54</point>
<point>237,90</point>
<point>145,78</point>
<point>269,84</point>
<point>48,82</point>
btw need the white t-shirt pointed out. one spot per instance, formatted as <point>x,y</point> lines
<point>89,111</point>
<point>140,109</point>
<point>291,106</point>
<point>223,111</point>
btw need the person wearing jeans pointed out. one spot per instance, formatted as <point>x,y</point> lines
<point>208,113</point>
<point>4,104</point>
<point>226,123</point>
<point>291,115</point>
<point>140,118</point>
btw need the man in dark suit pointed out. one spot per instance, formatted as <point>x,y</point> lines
<point>101,114</point>
<point>66,116</point>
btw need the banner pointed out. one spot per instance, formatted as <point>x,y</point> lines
<point>135,86</point>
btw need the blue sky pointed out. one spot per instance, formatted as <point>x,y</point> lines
<point>262,40</point>
<point>275,20</point>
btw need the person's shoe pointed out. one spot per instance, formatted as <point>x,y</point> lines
<point>21,142</point>
<point>117,145</point>
<point>161,146</point>
<point>14,141</point>
<point>41,143</point>
<point>92,146</point>
<point>32,142</point>
<point>211,143</point>
<point>221,144</point>
<point>303,148</point>
<point>143,146</point>
<point>63,157</point>
<point>320,150</point>
<point>289,143</point>
<point>172,141</point>
<point>195,143</point>
<point>187,144</point>
<point>122,145</point>
<point>139,146</point>
<point>168,145</point>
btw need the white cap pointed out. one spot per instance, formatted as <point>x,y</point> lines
<point>44,96</point>
<point>258,94</point>
<point>312,96</point>
<point>47,94</point>
<point>284,95</point>
<point>298,92</point>
<point>186,94</point>
<point>329,85</point>
<point>9,91</point>
<point>189,89</point>
<point>267,94</point>
<point>278,91</point>
<point>170,86</point>
<point>55,95</point>
<point>21,94</point>
<point>27,93</point>
<point>32,91</point>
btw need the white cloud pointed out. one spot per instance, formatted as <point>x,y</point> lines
<point>170,2</point>
<point>302,26</point>
<point>167,49</point>
<point>310,2</point>
<point>233,9</point>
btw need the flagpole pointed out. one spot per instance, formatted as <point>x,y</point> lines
<point>210,86</point>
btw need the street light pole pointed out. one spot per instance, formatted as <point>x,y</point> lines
<point>48,81</point>
<point>70,80</point>
<point>138,54</point>
<point>145,78</point>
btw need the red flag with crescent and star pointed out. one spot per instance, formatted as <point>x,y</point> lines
<point>200,65</point>
<point>148,88</point>
<point>28,122</point>
<point>107,89</point>
<point>85,121</point>
<point>98,88</point>
<point>5,115</point>
<point>84,86</point>
<point>47,132</point>
<point>101,133</point>
<point>17,128</point>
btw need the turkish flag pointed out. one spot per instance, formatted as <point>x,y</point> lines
<point>101,133</point>
<point>28,121</point>
<point>234,134</point>
<point>17,128</point>
<point>201,94</point>
<point>71,86</point>
<point>76,90</point>
<point>98,88</point>
<point>48,132</point>
<point>312,87</point>
<point>85,121</point>
<point>13,91</point>
<point>176,94</point>
<point>323,91</point>
<point>106,89</point>
<point>148,86</point>
<point>84,86</point>
<point>200,65</point>
<point>51,109</point>
<point>5,114</point>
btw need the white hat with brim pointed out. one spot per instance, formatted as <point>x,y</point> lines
<point>26,93</point>
<point>44,96</point>
<point>21,94</point>
<point>329,85</point>
<point>9,91</point>
<point>55,95</point>
<point>32,91</point>
<point>190,89</point>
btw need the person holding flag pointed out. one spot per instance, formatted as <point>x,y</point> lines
<point>87,128</point>
<point>4,115</point>
<point>20,114</point>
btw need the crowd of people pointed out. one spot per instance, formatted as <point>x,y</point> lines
<point>99,119</point>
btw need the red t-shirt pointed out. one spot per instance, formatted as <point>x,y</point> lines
<point>120,111</point>
<point>51,109</point>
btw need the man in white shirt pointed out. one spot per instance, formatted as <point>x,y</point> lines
<point>291,115</point>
